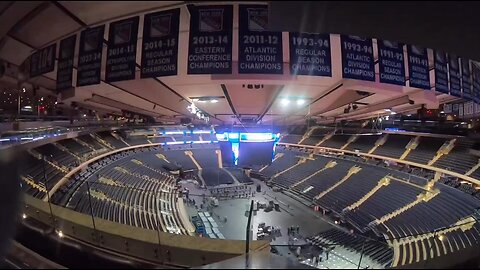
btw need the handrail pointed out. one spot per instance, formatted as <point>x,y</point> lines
<point>423,166</point>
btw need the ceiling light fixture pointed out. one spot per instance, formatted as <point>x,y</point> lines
<point>300,101</point>
<point>285,101</point>
<point>214,101</point>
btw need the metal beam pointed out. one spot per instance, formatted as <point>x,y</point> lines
<point>227,96</point>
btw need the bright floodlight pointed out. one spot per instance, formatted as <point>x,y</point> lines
<point>285,102</point>
<point>214,101</point>
<point>24,216</point>
<point>393,113</point>
<point>300,101</point>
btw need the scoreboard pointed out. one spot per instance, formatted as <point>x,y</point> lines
<point>247,149</point>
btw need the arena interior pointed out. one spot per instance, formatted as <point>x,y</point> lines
<point>214,135</point>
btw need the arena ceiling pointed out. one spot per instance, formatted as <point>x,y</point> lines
<point>31,25</point>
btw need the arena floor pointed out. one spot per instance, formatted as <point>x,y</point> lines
<point>292,213</point>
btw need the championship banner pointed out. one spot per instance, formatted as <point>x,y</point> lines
<point>418,72</point>
<point>447,108</point>
<point>259,51</point>
<point>160,44</point>
<point>357,58</point>
<point>454,70</point>
<point>210,40</point>
<point>391,62</point>
<point>122,50</point>
<point>90,56</point>
<point>65,63</point>
<point>310,54</point>
<point>466,79</point>
<point>43,61</point>
<point>441,71</point>
<point>468,108</point>
<point>476,108</point>
<point>476,83</point>
<point>455,108</point>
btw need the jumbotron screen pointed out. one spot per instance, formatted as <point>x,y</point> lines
<point>247,149</point>
<point>255,153</point>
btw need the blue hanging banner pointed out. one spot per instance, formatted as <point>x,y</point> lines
<point>454,70</point>
<point>259,51</point>
<point>357,58</point>
<point>210,40</point>
<point>122,50</point>
<point>476,83</point>
<point>65,63</point>
<point>466,79</point>
<point>418,73</point>
<point>43,61</point>
<point>310,54</point>
<point>391,62</point>
<point>90,56</point>
<point>160,44</point>
<point>441,72</point>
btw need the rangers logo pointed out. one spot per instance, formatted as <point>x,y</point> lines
<point>92,40</point>
<point>211,20</point>
<point>257,19</point>
<point>122,33</point>
<point>160,25</point>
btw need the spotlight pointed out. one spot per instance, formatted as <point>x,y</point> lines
<point>300,101</point>
<point>214,101</point>
<point>60,234</point>
<point>393,113</point>
<point>388,110</point>
<point>285,102</point>
<point>24,216</point>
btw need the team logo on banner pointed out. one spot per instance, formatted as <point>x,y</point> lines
<point>210,20</point>
<point>160,25</point>
<point>391,44</point>
<point>92,40</point>
<point>68,47</point>
<point>123,33</point>
<point>257,19</point>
